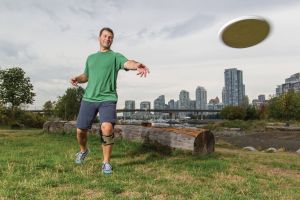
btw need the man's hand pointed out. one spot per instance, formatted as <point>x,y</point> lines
<point>133,65</point>
<point>142,70</point>
<point>74,81</point>
<point>78,79</point>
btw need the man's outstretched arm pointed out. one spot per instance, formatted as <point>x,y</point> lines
<point>78,79</point>
<point>133,65</point>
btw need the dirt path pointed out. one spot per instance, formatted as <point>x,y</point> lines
<point>280,139</point>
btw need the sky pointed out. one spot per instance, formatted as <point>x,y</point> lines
<point>178,40</point>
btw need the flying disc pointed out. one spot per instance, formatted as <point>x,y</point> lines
<point>244,31</point>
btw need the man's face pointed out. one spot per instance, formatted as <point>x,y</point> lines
<point>106,39</point>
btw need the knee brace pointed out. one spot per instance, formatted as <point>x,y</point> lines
<point>107,140</point>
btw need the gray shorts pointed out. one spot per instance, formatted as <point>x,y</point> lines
<point>88,111</point>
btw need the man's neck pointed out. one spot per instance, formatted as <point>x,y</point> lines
<point>102,49</point>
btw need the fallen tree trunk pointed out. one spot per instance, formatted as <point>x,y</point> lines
<point>200,141</point>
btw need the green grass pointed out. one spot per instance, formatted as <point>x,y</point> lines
<point>35,165</point>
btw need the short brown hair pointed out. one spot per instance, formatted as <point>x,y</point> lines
<point>106,29</point>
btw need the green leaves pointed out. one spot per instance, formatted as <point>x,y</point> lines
<point>233,112</point>
<point>286,106</point>
<point>68,105</point>
<point>15,88</point>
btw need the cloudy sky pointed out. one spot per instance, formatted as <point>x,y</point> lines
<point>178,41</point>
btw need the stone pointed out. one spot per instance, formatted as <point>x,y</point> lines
<point>54,127</point>
<point>271,150</point>
<point>249,148</point>
<point>70,127</point>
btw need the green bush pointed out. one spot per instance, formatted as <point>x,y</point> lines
<point>32,120</point>
<point>252,113</point>
<point>22,118</point>
<point>233,112</point>
<point>285,106</point>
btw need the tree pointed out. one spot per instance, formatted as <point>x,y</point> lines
<point>251,113</point>
<point>233,112</point>
<point>48,107</point>
<point>68,105</point>
<point>285,106</point>
<point>15,88</point>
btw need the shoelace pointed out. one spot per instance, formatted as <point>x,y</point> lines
<point>81,155</point>
<point>106,166</point>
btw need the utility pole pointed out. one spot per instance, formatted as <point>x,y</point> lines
<point>65,111</point>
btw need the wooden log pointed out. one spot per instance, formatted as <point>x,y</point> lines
<point>199,141</point>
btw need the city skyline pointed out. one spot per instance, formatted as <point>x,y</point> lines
<point>179,44</point>
<point>292,82</point>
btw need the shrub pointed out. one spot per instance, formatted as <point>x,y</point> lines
<point>233,112</point>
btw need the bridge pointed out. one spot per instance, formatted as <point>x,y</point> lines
<point>171,112</point>
<point>149,110</point>
<point>166,110</point>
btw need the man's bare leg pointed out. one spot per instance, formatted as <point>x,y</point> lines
<point>82,139</point>
<point>107,130</point>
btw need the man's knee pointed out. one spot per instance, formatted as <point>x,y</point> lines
<point>107,128</point>
<point>106,133</point>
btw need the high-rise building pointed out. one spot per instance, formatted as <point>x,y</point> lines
<point>129,105</point>
<point>261,98</point>
<point>177,104</point>
<point>145,105</point>
<point>279,90</point>
<point>214,104</point>
<point>201,98</point>
<point>184,102</point>
<point>193,106</point>
<point>224,95</point>
<point>145,113</point>
<point>171,104</point>
<point>234,90</point>
<point>159,104</point>
<point>293,78</point>
<point>291,83</point>
<point>259,101</point>
<point>214,101</point>
<point>184,99</point>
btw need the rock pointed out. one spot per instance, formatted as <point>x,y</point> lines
<point>271,150</point>
<point>298,151</point>
<point>54,127</point>
<point>249,148</point>
<point>70,127</point>
<point>232,129</point>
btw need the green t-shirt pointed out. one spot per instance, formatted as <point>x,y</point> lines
<point>102,71</point>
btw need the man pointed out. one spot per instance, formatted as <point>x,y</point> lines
<point>101,72</point>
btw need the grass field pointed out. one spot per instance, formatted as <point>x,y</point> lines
<point>35,165</point>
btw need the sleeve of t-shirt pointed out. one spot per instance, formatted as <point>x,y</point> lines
<point>120,61</point>
<point>86,70</point>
